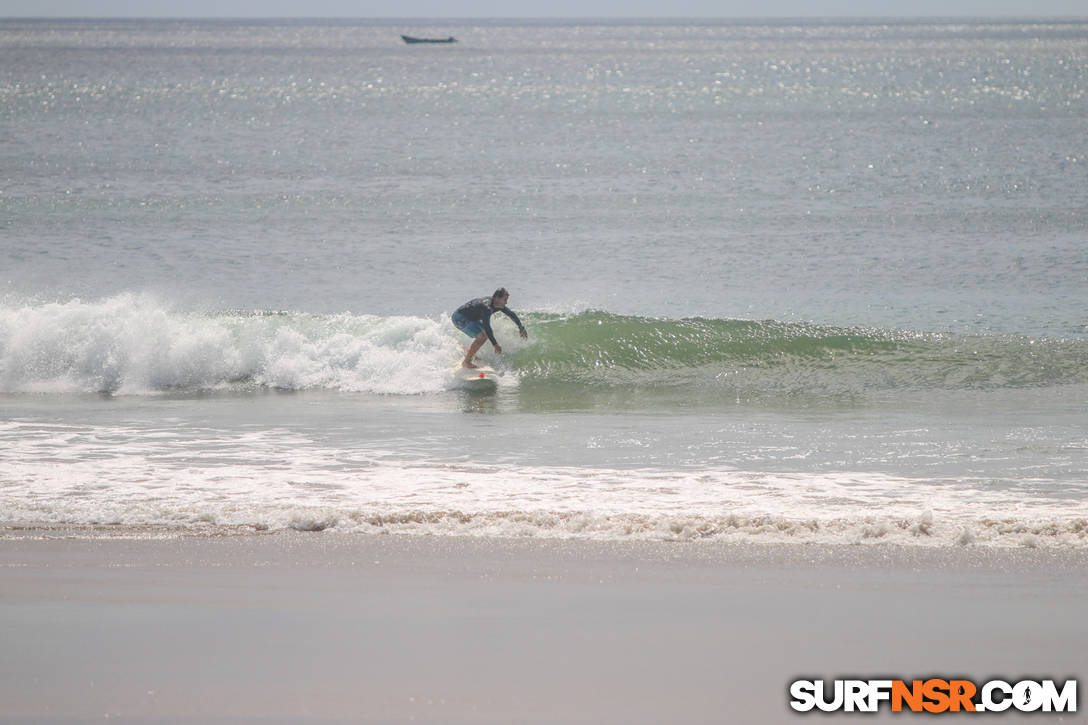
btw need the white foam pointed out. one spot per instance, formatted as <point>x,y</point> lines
<point>135,344</point>
<point>277,479</point>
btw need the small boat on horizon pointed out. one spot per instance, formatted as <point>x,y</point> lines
<point>409,39</point>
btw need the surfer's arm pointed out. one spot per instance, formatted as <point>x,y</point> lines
<point>521,328</point>
<point>486,322</point>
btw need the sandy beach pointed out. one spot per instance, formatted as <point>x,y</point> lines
<point>328,627</point>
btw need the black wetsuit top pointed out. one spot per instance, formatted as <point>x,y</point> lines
<point>480,310</point>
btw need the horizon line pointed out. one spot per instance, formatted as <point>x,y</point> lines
<point>391,18</point>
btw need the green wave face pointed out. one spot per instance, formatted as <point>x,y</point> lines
<point>601,349</point>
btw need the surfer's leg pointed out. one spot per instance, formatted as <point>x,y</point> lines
<point>475,348</point>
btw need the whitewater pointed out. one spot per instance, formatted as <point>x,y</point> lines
<point>132,344</point>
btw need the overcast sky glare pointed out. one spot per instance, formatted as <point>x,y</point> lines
<point>541,8</point>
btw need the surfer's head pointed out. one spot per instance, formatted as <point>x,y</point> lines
<point>498,300</point>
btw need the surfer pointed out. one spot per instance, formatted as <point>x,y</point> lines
<point>474,319</point>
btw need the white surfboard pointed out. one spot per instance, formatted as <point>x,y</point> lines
<point>483,373</point>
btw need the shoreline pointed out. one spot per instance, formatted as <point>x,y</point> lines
<point>923,531</point>
<point>325,627</point>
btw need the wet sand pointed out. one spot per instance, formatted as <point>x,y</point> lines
<point>325,627</point>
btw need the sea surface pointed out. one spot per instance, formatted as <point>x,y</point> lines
<point>806,281</point>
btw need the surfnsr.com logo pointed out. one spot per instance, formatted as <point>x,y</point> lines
<point>933,695</point>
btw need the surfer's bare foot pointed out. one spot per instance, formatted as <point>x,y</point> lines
<point>467,364</point>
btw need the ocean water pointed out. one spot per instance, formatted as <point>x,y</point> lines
<point>783,281</point>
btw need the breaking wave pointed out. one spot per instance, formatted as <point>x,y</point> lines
<point>133,344</point>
